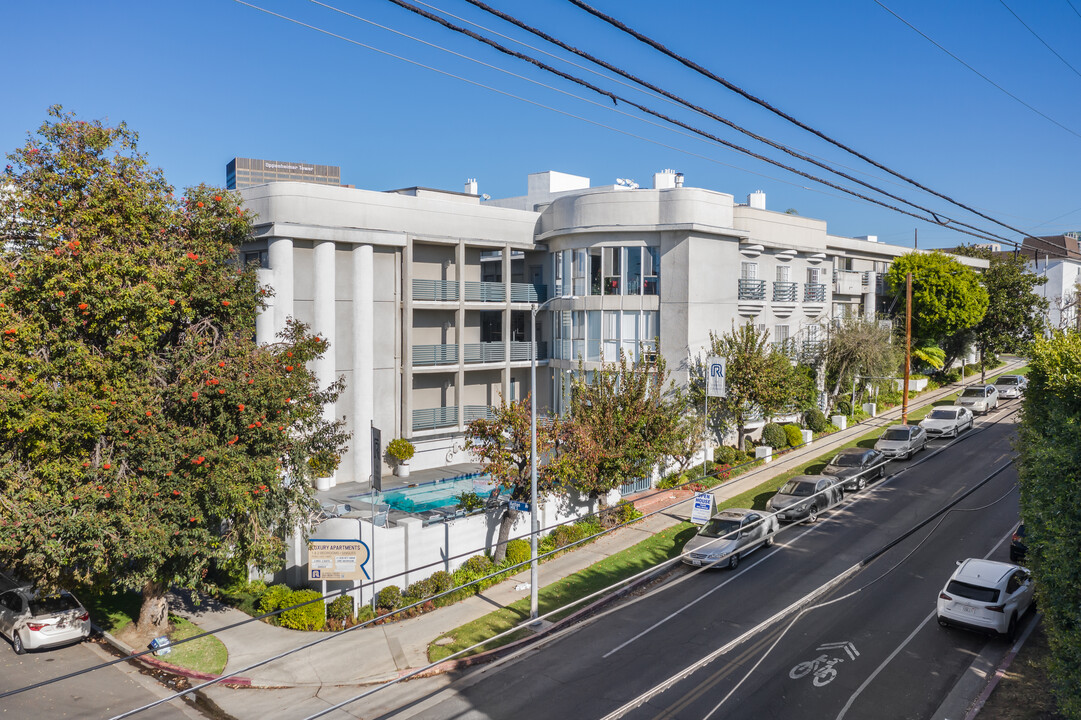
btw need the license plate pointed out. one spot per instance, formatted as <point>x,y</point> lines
<point>696,563</point>
<point>968,609</point>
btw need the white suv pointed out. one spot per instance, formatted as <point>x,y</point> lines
<point>979,398</point>
<point>986,595</point>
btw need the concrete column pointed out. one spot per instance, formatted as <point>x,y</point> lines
<point>459,331</point>
<point>406,429</point>
<point>264,321</point>
<point>280,254</point>
<point>869,299</point>
<point>505,374</point>
<point>363,361</point>
<point>323,277</point>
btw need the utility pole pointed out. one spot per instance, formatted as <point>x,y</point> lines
<point>916,239</point>
<point>908,347</point>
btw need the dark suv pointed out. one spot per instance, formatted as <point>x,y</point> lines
<point>1017,545</point>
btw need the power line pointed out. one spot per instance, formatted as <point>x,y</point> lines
<point>780,113</point>
<point>1035,35</point>
<point>935,218</point>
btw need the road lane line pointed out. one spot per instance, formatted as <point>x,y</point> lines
<point>880,668</point>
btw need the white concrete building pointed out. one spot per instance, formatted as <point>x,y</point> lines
<point>425,295</point>
<point>1058,258</point>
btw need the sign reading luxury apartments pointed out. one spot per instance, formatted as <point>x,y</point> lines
<point>337,560</point>
<point>715,374</point>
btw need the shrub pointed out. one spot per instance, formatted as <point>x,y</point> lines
<point>312,616</point>
<point>400,449</point>
<point>774,436</point>
<point>794,434</point>
<point>341,609</point>
<point>389,598</point>
<point>728,455</point>
<point>477,566</point>
<point>421,589</point>
<point>470,501</point>
<point>626,512</point>
<point>816,420</point>
<point>748,445</point>
<point>843,407</point>
<point>441,581</point>
<point>564,535</point>
<point>670,480</point>
<point>274,598</point>
<point>518,551</point>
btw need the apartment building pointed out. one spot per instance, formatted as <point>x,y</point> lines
<point>426,295</point>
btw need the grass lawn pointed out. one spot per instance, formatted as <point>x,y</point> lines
<point>1024,693</point>
<point>624,564</point>
<point>114,613</point>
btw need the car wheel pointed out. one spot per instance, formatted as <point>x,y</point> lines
<point>882,471</point>
<point>768,542</point>
<point>861,483</point>
<point>733,562</point>
<point>1011,631</point>
<point>812,514</point>
<point>942,622</point>
<point>17,643</point>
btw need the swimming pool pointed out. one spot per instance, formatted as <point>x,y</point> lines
<point>441,493</point>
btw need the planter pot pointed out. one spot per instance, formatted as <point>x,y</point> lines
<point>402,468</point>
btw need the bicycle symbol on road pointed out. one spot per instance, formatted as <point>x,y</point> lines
<point>823,665</point>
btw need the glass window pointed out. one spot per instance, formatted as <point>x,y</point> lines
<point>557,273</point>
<point>748,270</point>
<point>593,347</point>
<point>813,275</point>
<point>612,272</point>
<point>629,334</point>
<point>634,271</point>
<point>581,273</point>
<point>610,335</point>
<point>784,273</point>
<point>780,333</point>
<point>651,270</point>
<point>594,271</point>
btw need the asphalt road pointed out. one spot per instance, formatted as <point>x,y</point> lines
<point>716,643</point>
<point>99,694</point>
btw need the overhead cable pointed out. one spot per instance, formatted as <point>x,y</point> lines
<point>1037,36</point>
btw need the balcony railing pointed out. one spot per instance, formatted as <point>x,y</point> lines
<point>812,348</point>
<point>484,352</point>
<point>485,291</point>
<point>786,347</point>
<point>784,291</point>
<point>440,290</point>
<point>520,351</point>
<point>435,354</point>
<point>432,418</point>
<point>752,289</point>
<point>814,292</point>
<point>528,292</point>
<point>477,412</point>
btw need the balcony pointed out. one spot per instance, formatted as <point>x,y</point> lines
<point>432,418</point>
<point>528,293</point>
<point>485,291</point>
<point>752,289</point>
<point>784,291</point>
<point>435,354</point>
<point>519,351</point>
<point>814,292</point>
<point>477,412</point>
<point>813,348</point>
<point>437,290</point>
<point>848,282</point>
<point>484,352</point>
<point>787,347</point>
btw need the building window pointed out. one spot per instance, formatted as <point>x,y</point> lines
<point>784,273</point>
<point>581,273</point>
<point>634,270</point>
<point>748,271</point>
<point>814,275</point>
<point>651,270</point>
<point>613,279</point>
<point>557,274</point>
<point>260,257</point>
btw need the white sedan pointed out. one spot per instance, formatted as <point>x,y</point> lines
<point>986,595</point>
<point>948,421</point>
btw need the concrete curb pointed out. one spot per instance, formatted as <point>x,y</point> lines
<point>1001,669</point>
<point>153,663</point>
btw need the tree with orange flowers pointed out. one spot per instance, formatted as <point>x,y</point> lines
<point>146,440</point>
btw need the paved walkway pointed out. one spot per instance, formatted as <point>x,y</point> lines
<point>381,652</point>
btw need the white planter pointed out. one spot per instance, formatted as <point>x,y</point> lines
<point>808,436</point>
<point>870,409</point>
<point>763,453</point>
<point>840,421</point>
<point>402,468</point>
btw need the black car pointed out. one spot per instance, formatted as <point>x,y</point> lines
<point>1017,545</point>
<point>853,467</point>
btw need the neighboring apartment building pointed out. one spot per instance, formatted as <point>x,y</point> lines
<point>1058,258</point>
<point>425,295</point>
<point>245,172</point>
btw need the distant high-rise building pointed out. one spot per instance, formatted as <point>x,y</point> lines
<point>245,172</point>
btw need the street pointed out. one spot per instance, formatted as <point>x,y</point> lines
<point>670,653</point>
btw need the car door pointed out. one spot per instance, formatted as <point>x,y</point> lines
<point>919,438</point>
<point>10,605</point>
<point>751,530</point>
<point>1015,600</point>
<point>824,491</point>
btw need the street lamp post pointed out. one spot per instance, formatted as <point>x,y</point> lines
<point>534,520</point>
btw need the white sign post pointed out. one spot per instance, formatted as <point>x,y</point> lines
<point>703,508</point>
<point>715,374</point>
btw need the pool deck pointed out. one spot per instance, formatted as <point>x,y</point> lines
<point>351,498</point>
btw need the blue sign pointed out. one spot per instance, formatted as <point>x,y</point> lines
<point>519,505</point>
<point>703,508</point>
<point>715,374</point>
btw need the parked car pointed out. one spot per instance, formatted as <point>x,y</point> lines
<point>1018,549</point>
<point>33,620</point>
<point>804,496</point>
<point>853,467</point>
<point>948,421</point>
<point>986,595</point>
<point>980,398</point>
<point>902,441</point>
<point>730,533</point>
<point>1011,386</point>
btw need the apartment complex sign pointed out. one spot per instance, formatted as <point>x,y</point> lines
<point>715,376</point>
<point>337,560</point>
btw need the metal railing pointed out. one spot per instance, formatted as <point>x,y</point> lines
<point>752,289</point>
<point>528,292</point>
<point>520,351</point>
<point>485,291</point>
<point>812,347</point>
<point>432,418</point>
<point>640,485</point>
<point>477,412</point>
<point>439,290</point>
<point>484,352</point>
<point>787,347</point>
<point>784,291</point>
<point>814,292</point>
<point>435,354</point>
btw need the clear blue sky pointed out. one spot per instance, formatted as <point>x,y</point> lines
<point>206,80</point>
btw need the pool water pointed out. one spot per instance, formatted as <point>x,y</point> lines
<point>441,493</point>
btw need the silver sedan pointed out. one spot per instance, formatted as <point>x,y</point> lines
<point>902,441</point>
<point>34,621</point>
<point>729,535</point>
<point>804,496</point>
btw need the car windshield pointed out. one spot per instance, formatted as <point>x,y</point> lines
<point>718,527</point>
<point>52,604</point>
<point>797,488</point>
<point>1008,380</point>
<point>972,592</point>
<point>943,415</point>
<point>973,393</point>
<point>847,459</point>
<point>896,434</point>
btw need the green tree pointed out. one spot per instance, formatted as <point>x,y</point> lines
<point>627,417</point>
<point>502,445</point>
<point>947,297</point>
<point>145,439</point>
<point>858,347</point>
<point>1016,313</point>
<point>759,382</point>
<point>1049,471</point>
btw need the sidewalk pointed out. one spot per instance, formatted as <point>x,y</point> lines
<point>382,652</point>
